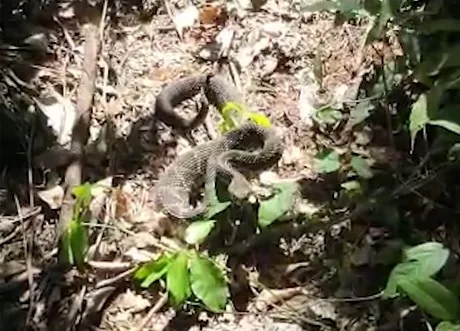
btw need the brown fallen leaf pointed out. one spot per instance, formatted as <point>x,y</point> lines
<point>213,13</point>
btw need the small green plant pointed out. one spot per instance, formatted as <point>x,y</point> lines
<point>185,273</point>
<point>413,277</point>
<point>74,240</point>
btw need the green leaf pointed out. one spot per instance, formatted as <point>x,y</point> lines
<point>78,241</point>
<point>431,257</point>
<point>449,125</point>
<point>326,161</point>
<point>197,231</point>
<point>83,193</point>
<point>328,115</point>
<point>177,278</point>
<point>65,251</point>
<point>359,114</point>
<point>217,207</point>
<point>208,283</point>
<point>424,110</point>
<point>447,326</point>
<point>431,296</point>
<point>361,167</point>
<point>352,188</point>
<point>272,209</point>
<point>399,271</point>
<point>74,244</point>
<point>448,118</point>
<point>418,116</point>
<point>152,271</point>
<point>423,260</point>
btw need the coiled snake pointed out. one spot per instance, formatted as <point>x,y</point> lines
<point>219,157</point>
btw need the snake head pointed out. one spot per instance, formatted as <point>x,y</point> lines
<point>239,187</point>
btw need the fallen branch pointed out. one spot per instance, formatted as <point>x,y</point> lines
<point>80,132</point>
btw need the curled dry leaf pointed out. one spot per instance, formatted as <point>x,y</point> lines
<point>133,302</point>
<point>225,38</point>
<point>102,187</point>
<point>138,255</point>
<point>99,193</point>
<point>66,9</point>
<point>213,51</point>
<point>186,19</point>
<point>323,309</point>
<point>38,42</point>
<point>61,115</point>
<point>269,177</point>
<point>292,155</point>
<point>255,45</point>
<point>269,297</point>
<point>53,197</point>
<point>339,96</point>
<point>269,65</point>
<point>307,101</point>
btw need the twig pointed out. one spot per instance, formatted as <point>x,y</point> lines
<point>102,21</point>
<point>171,16</point>
<point>66,33</point>
<point>28,259</point>
<point>30,213</point>
<point>159,304</point>
<point>17,280</point>
<point>387,101</point>
<point>109,266</point>
<point>358,299</point>
<point>10,236</point>
<point>113,280</point>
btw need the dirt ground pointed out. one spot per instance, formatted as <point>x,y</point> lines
<point>271,53</point>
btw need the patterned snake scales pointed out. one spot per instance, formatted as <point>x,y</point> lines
<point>219,157</point>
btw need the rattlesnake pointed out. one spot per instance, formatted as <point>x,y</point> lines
<point>217,157</point>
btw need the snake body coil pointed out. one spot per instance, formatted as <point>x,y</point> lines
<point>219,157</point>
